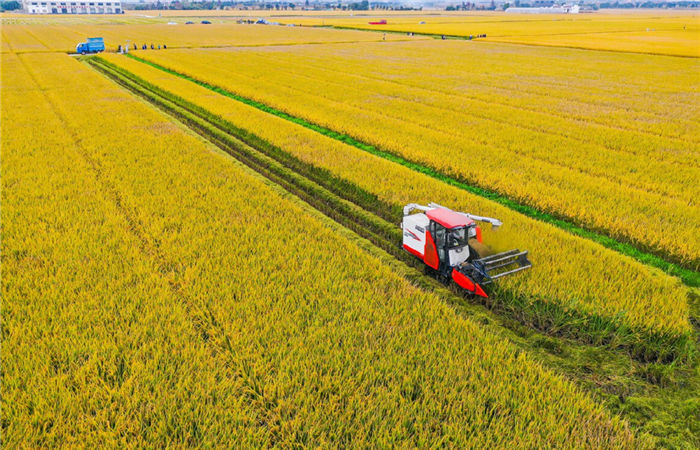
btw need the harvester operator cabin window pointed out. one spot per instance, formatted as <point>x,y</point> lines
<point>440,234</point>
<point>458,238</point>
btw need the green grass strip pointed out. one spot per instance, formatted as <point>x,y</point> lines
<point>688,276</point>
<point>356,212</point>
<point>387,31</point>
<point>504,40</point>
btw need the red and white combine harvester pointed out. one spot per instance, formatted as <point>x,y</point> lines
<point>440,238</point>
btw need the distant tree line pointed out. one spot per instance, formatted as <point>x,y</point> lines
<point>207,5</point>
<point>468,6</point>
<point>363,5</point>
<point>681,4</point>
<point>359,6</point>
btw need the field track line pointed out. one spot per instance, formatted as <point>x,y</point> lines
<point>687,275</point>
<point>361,213</point>
<point>211,47</point>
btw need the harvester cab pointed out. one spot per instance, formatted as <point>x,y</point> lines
<point>440,238</point>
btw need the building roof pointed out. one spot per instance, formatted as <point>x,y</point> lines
<point>448,218</point>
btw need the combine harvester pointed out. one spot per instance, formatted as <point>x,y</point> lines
<point>439,237</point>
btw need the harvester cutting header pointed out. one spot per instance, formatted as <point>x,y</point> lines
<point>440,237</point>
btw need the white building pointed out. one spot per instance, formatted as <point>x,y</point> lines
<point>72,7</point>
<point>565,9</point>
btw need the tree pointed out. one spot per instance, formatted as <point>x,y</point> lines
<point>10,6</point>
<point>361,6</point>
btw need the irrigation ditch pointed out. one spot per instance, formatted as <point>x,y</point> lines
<point>593,351</point>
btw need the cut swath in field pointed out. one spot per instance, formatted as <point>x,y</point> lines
<point>527,299</point>
<point>591,182</point>
<point>320,355</point>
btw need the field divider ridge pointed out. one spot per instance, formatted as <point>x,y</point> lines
<point>688,276</point>
<point>503,39</point>
<point>368,217</point>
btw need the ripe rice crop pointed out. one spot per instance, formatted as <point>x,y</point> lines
<point>183,301</point>
<point>622,289</point>
<point>658,32</point>
<point>64,37</point>
<point>97,348</point>
<point>580,147</point>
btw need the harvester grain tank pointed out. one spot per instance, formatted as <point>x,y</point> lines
<point>92,45</point>
<point>440,238</point>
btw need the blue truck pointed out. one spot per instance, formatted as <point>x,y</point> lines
<point>92,45</point>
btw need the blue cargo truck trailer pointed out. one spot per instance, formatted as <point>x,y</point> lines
<point>92,45</point>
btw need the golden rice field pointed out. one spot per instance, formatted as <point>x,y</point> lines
<point>64,37</point>
<point>571,141</point>
<point>658,32</point>
<point>165,283</point>
<point>673,32</point>
<point>647,299</point>
<point>128,319</point>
